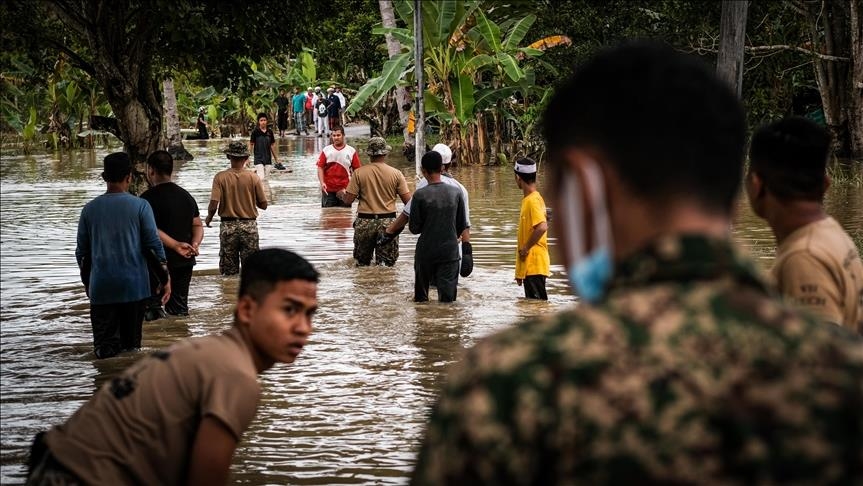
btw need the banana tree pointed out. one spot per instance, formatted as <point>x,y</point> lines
<point>472,65</point>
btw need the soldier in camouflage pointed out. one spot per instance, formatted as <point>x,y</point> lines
<point>677,366</point>
<point>376,186</point>
<point>237,194</point>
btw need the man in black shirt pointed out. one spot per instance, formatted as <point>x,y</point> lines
<point>282,103</point>
<point>262,145</point>
<point>179,225</point>
<point>438,216</point>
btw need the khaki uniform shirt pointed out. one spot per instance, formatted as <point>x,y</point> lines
<point>377,186</point>
<point>688,372</point>
<point>817,268</point>
<point>238,191</point>
<point>139,427</point>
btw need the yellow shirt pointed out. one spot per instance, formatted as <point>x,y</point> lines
<point>818,269</point>
<point>412,121</point>
<point>537,261</point>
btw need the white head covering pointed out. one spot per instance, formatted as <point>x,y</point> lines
<point>445,153</point>
<point>525,168</point>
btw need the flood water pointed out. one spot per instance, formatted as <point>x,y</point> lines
<point>352,407</point>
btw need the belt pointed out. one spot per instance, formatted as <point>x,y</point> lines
<point>375,216</point>
<point>237,219</point>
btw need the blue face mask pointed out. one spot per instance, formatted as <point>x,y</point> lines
<point>590,275</point>
<point>588,272</point>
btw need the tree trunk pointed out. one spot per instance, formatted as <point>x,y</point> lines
<point>139,122</point>
<point>732,37</point>
<point>855,111</point>
<point>835,30</point>
<point>172,119</point>
<point>393,49</point>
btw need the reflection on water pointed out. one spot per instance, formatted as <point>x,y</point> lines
<point>351,409</point>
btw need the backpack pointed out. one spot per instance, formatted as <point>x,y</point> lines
<point>322,108</point>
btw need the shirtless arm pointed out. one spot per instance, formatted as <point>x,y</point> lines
<point>211,453</point>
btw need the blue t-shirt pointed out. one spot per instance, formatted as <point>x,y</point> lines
<point>299,103</point>
<point>114,231</point>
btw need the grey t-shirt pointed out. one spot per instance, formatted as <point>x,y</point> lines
<point>438,216</point>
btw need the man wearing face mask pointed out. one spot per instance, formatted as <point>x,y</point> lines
<point>677,365</point>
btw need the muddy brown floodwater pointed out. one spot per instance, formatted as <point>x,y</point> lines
<point>352,407</point>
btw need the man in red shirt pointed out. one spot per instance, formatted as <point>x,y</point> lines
<point>335,165</point>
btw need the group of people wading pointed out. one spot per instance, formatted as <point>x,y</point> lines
<point>679,364</point>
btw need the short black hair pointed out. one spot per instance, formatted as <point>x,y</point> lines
<point>262,115</point>
<point>663,119</point>
<point>528,178</point>
<point>338,128</point>
<point>263,269</point>
<point>432,162</point>
<point>790,156</point>
<point>162,162</point>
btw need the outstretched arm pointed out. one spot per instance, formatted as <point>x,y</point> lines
<point>211,453</point>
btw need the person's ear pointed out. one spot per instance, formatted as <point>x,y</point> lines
<point>827,181</point>
<point>756,185</point>
<point>246,307</point>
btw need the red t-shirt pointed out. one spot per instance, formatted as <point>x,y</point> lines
<point>338,164</point>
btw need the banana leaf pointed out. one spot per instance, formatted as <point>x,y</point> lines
<point>517,33</point>
<point>404,36</point>
<point>489,30</point>
<point>510,67</point>
<point>462,98</point>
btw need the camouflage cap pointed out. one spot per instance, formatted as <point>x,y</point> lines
<point>237,149</point>
<point>378,146</point>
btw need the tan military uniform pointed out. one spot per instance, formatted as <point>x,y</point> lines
<point>140,426</point>
<point>688,372</point>
<point>238,192</point>
<point>376,186</point>
<point>817,268</point>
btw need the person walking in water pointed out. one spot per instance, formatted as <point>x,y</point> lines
<point>115,232</point>
<point>438,215</point>
<point>298,103</point>
<point>237,194</point>
<point>262,143</point>
<point>282,103</point>
<point>335,165</point>
<point>532,262</point>
<point>376,185</point>
<point>180,227</point>
<point>176,416</point>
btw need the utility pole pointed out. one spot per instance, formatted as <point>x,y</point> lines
<point>418,66</point>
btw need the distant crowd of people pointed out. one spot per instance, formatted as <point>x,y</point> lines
<point>323,111</point>
<point>680,364</point>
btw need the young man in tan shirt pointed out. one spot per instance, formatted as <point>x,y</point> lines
<point>817,265</point>
<point>176,416</point>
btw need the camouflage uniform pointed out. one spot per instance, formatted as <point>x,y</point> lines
<point>238,239</point>
<point>366,233</point>
<point>688,372</point>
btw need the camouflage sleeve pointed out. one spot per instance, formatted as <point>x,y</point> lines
<point>484,426</point>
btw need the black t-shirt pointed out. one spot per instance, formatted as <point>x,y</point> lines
<point>282,102</point>
<point>262,143</point>
<point>335,105</point>
<point>173,208</point>
<point>438,215</point>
